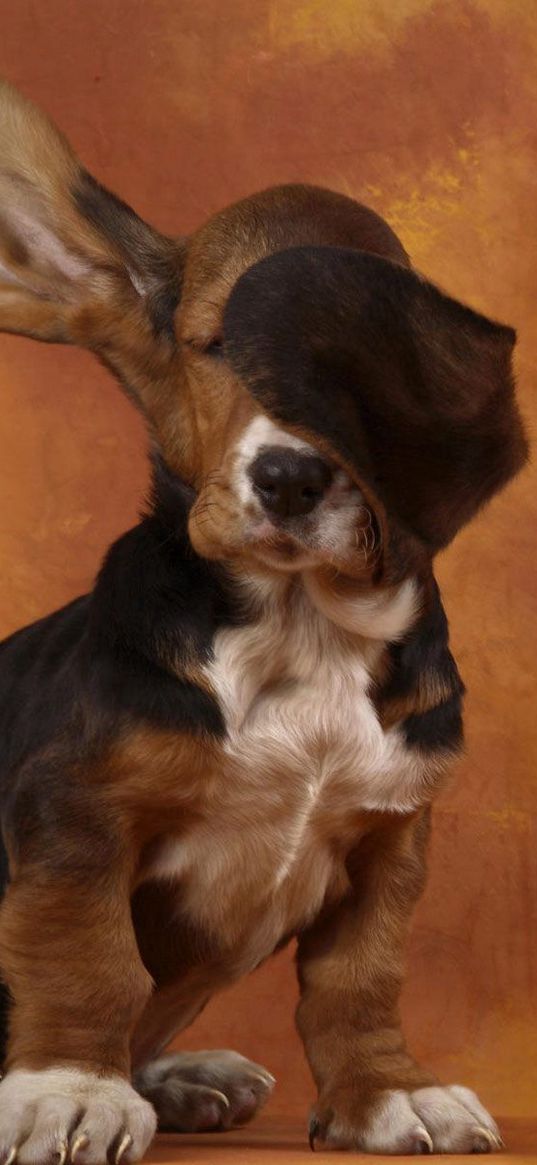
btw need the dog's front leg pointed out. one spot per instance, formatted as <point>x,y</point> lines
<point>69,957</point>
<point>373,1096</point>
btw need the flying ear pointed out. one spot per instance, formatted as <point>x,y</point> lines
<point>76,264</point>
<point>410,389</point>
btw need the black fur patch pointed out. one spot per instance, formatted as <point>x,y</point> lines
<point>425,652</point>
<point>156,607</point>
<point>424,649</point>
<point>438,730</point>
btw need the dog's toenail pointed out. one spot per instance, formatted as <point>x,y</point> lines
<point>485,1141</point>
<point>63,1150</point>
<point>314,1130</point>
<point>124,1144</point>
<point>221,1096</point>
<point>80,1143</point>
<point>266,1080</point>
<point>422,1141</point>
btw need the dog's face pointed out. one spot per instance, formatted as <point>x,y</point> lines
<point>274,499</point>
<point>330,408</point>
<point>265,494</point>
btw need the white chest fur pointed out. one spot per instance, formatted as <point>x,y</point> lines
<point>305,756</point>
<point>294,688</point>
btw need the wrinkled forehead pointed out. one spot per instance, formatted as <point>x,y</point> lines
<point>271,221</point>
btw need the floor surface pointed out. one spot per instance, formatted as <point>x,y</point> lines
<point>272,1139</point>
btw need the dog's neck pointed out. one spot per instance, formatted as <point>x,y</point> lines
<point>372,613</point>
<point>379,613</point>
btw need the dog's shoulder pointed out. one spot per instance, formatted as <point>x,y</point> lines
<point>127,654</point>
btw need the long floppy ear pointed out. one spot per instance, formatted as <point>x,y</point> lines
<point>77,265</point>
<point>411,390</point>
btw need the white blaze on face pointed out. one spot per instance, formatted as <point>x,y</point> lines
<point>258,434</point>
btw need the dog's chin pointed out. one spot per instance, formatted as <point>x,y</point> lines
<point>281,555</point>
<point>277,549</point>
<point>269,547</point>
<point>280,552</point>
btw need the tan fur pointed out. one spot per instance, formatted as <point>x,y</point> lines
<point>105,1011</point>
<point>430,693</point>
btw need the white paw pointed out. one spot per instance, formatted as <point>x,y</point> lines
<point>199,1091</point>
<point>429,1120</point>
<point>60,1114</point>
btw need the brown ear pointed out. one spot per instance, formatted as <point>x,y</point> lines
<point>76,264</point>
<point>411,390</point>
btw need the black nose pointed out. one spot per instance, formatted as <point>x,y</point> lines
<point>288,482</point>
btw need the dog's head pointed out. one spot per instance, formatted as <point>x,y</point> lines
<point>328,406</point>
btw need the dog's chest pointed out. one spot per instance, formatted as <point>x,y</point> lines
<point>294,691</point>
<point>304,759</point>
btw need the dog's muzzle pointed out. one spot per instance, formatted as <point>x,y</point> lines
<point>289,483</point>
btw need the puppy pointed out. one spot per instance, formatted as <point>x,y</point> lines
<point>237,736</point>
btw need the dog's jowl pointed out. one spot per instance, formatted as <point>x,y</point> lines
<point>235,739</point>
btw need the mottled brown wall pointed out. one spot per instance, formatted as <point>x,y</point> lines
<point>427,110</point>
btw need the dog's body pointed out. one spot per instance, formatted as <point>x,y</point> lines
<point>236,738</point>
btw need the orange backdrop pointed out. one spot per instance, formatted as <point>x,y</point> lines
<point>427,110</point>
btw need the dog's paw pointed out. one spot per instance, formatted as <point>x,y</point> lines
<point>204,1091</point>
<point>63,1114</point>
<point>429,1120</point>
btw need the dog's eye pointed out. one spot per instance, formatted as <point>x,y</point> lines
<point>215,348</point>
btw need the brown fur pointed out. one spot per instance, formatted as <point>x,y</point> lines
<point>350,966</point>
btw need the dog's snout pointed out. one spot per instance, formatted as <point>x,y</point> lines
<point>289,483</point>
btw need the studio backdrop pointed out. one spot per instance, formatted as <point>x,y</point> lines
<point>426,110</point>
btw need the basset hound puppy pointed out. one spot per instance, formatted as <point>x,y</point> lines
<point>235,739</point>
